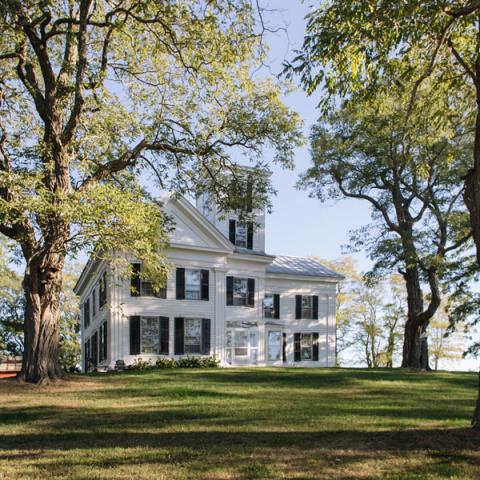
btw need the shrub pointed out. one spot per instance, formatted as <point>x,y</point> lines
<point>165,363</point>
<point>198,362</point>
<point>140,364</point>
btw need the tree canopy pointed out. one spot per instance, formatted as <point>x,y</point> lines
<point>95,93</point>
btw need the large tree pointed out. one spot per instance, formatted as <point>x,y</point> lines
<point>350,45</point>
<point>93,92</point>
<point>410,174</point>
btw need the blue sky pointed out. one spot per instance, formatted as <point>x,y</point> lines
<point>298,224</point>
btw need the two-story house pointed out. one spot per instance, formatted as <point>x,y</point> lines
<point>225,297</point>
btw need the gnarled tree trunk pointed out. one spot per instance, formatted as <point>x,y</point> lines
<point>42,284</point>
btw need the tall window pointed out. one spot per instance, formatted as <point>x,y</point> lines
<point>193,335</point>
<point>102,290</point>
<point>102,342</point>
<point>193,284</point>
<point>306,346</point>
<point>241,234</point>
<point>94,301</point>
<point>240,291</point>
<point>274,345</point>
<point>307,307</point>
<point>86,313</point>
<point>271,305</point>
<point>149,335</point>
<point>241,346</point>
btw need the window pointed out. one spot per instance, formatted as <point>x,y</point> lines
<point>306,346</point>
<point>102,342</point>
<point>271,305</point>
<point>193,335</point>
<point>241,233</point>
<point>86,313</point>
<point>240,291</point>
<point>307,307</point>
<point>274,346</point>
<point>102,290</point>
<point>241,346</point>
<point>192,284</point>
<point>149,335</point>
<point>143,288</point>
<point>94,301</point>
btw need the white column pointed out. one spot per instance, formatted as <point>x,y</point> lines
<point>219,309</point>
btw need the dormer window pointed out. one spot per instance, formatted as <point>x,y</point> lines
<point>241,234</point>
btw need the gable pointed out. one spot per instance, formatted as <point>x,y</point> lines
<point>192,229</point>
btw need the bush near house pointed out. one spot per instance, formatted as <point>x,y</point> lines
<point>241,424</point>
<point>184,362</point>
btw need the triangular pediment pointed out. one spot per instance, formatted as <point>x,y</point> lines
<point>192,229</point>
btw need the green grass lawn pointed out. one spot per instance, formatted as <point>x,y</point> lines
<point>241,424</point>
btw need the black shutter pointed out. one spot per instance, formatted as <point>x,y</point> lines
<point>276,305</point>
<point>134,335</point>
<point>86,313</point>
<point>249,195</point>
<point>250,235</point>
<point>315,307</point>
<point>296,347</point>
<point>180,284</point>
<point>284,347</point>
<point>298,307</point>
<point>179,336</point>
<point>95,349</point>
<point>231,231</point>
<point>105,341</point>
<point>315,347</point>
<point>229,290</point>
<point>204,283</point>
<point>135,282</point>
<point>206,332</point>
<point>251,292</point>
<point>164,335</point>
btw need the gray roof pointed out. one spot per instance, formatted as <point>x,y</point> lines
<point>305,266</point>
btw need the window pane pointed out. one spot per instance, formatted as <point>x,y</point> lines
<point>307,307</point>
<point>268,306</point>
<point>150,334</point>
<point>274,345</point>
<point>306,346</point>
<point>192,284</point>
<point>146,289</point>
<point>193,335</point>
<point>253,340</point>
<point>240,234</point>
<point>240,291</point>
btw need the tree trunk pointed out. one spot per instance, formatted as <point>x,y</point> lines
<point>415,353</point>
<point>471,197</point>
<point>42,284</point>
<point>476,413</point>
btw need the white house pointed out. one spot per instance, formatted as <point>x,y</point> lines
<point>225,297</point>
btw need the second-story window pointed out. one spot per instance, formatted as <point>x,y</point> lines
<point>143,288</point>
<point>102,290</point>
<point>94,301</point>
<point>271,305</point>
<point>306,307</point>
<point>241,291</point>
<point>192,284</point>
